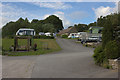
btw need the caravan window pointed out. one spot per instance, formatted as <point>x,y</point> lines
<point>95,30</point>
<point>25,32</point>
<point>100,31</point>
<point>28,32</point>
<point>21,32</point>
<point>72,34</point>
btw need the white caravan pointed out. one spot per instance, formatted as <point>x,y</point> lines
<point>73,35</point>
<point>25,31</point>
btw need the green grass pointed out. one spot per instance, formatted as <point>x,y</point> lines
<point>52,45</point>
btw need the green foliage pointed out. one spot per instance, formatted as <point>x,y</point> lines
<point>99,55</point>
<point>52,45</point>
<point>112,50</point>
<point>64,36</point>
<point>48,28</point>
<point>58,35</point>
<point>34,21</point>
<point>101,21</point>
<point>92,24</point>
<point>80,27</point>
<point>111,24</point>
<point>107,32</point>
<point>114,18</point>
<point>50,24</point>
<point>58,25</point>
<point>43,37</point>
<point>110,40</point>
<point>37,26</point>
<point>11,28</point>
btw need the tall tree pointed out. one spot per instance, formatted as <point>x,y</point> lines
<point>107,32</point>
<point>55,21</point>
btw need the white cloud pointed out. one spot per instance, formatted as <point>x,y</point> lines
<point>53,5</point>
<point>59,12</point>
<point>66,22</point>
<point>103,11</point>
<point>13,13</point>
<point>78,15</point>
<point>10,13</point>
<point>60,0</point>
<point>45,16</point>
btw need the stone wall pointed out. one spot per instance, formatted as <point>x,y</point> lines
<point>113,63</point>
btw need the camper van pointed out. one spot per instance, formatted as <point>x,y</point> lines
<point>81,35</point>
<point>94,35</point>
<point>25,31</point>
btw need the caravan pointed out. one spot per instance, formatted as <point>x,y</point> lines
<point>81,35</point>
<point>73,35</point>
<point>25,31</point>
<point>94,35</point>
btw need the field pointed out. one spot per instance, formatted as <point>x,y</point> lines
<point>41,45</point>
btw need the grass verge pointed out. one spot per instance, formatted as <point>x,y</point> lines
<point>52,47</point>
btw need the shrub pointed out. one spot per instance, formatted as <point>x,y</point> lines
<point>9,36</point>
<point>106,64</point>
<point>99,55</point>
<point>43,37</point>
<point>112,50</point>
<point>36,37</point>
<point>58,35</point>
<point>64,36</point>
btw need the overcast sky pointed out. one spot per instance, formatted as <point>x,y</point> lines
<point>69,12</point>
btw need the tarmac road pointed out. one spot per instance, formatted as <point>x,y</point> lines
<point>74,61</point>
<point>17,66</point>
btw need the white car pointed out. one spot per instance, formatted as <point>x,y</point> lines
<point>41,33</point>
<point>48,34</point>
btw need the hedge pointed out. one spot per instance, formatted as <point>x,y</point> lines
<point>112,50</point>
<point>99,55</point>
<point>64,36</point>
<point>43,37</point>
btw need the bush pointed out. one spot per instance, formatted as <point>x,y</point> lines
<point>112,50</point>
<point>36,37</point>
<point>64,36</point>
<point>9,36</point>
<point>58,35</point>
<point>106,64</point>
<point>99,55</point>
<point>43,37</point>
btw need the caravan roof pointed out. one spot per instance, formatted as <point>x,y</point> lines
<point>26,29</point>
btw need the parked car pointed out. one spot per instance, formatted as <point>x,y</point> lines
<point>91,38</point>
<point>41,33</point>
<point>94,35</point>
<point>25,31</point>
<point>48,34</point>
